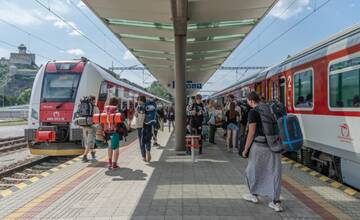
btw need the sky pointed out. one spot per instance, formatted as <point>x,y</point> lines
<point>50,38</point>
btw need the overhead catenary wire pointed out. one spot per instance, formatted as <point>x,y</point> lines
<point>266,28</point>
<point>283,33</point>
<point>95,25</point>
<point>78,31</point>
<point>32,35</point>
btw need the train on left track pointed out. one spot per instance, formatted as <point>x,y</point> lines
<point>56,93</point>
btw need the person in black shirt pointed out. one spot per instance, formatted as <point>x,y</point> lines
<point>171,117</point>
<point>197,117</point>
<point>263,171</point>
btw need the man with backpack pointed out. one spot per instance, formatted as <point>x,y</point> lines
<point>86,110</point>
<point>149,122</point>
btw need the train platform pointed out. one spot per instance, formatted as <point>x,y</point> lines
<point>172,187</point>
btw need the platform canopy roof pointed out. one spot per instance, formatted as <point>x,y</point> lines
<point>214,29</point>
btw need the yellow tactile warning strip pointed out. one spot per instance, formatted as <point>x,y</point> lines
<point>313,200</point>
<point>52,194</point>
<point>22,185</point>
<point>333,183</point>
<point>35,206</point>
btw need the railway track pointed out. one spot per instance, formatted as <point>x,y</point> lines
<point>31,168</point>
<point>12,144</point>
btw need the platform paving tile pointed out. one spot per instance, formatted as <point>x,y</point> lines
<point>172,187</point>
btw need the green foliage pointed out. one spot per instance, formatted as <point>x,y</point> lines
<point>24,97</point>
<point>157,89</point>
<point>4,70</point>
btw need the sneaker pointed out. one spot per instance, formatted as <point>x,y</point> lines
<point>93,155</point>
<point>84,159</point>
<point>276,206</point>
<point>115,166</point>
<point>250,198</point>
<point>110,164</point>
<point>148,156</point>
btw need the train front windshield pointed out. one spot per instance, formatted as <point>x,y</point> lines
<point>60,87</point>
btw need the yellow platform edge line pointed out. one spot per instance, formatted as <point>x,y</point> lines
<point>334,184</point>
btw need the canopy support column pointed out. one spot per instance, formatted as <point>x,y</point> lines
<point>179,13</point>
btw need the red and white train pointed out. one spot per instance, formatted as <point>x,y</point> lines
<point>320,85</point>
<point>56,93</point>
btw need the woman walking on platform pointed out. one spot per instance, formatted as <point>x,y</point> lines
<point>232,118</point>
<point>263,172</point>
<point>139,119</point>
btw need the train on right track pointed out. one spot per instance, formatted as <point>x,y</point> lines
<point>321,86</point>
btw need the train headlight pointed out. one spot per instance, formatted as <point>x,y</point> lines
<point>34,114</point>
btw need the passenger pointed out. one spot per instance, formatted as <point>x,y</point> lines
<point>162,119</point>
<point>156,127</point>
<point>263,99</point>
<point>197,114</point>
<point>230,99</point>
<point>309,100</point>
<point>243,125</point>
<point>356,101</point>
<point>89,133</point>
<point>139,117</point>
<point>301,102</point>
<point>232,118</point>
<point>263,172</point>
<point>171,117</point>
<point>100,138</point>
<point>146,135</point>
<point>212,121</point>
<point>112,133</point>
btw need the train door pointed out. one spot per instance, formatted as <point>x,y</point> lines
<point>103,94</point>
<point>282,83</point>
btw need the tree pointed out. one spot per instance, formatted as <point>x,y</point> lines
<point>159,90</point>
<point>24,97</point>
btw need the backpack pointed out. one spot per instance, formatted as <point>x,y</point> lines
<point>85,108</point>
<point>85,112</point>
<point>150,113</point>
<point>278,109</point>
<point>110,127</point>
<point>283,134</point>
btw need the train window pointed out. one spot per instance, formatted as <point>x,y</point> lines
<point>303,89</point>
<point>274,90</point>
<point>103,91</point>
<point>60,87</point>
<point>344,84</point>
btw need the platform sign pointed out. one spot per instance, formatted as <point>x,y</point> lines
<point>189,85</point>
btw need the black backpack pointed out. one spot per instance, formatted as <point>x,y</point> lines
<point>283,134</point>
<point>85,108</point>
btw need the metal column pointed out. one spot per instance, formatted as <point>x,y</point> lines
<point>179,12</point>
<point>180,94</point>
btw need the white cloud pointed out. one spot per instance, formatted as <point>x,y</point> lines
<point>4,52</point>
<point>81,4</point>
<point>294,10</point>
<point>76,52</point>
<point>128,56</point>
<point>19,16</point>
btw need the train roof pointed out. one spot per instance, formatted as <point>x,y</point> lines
<point>236,85</point>
<point>341,40</point>
<point>344,39</point>
<point>112,77</point>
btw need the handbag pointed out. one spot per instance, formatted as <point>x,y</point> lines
<point>212,119</point>
<point>133,123</point>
